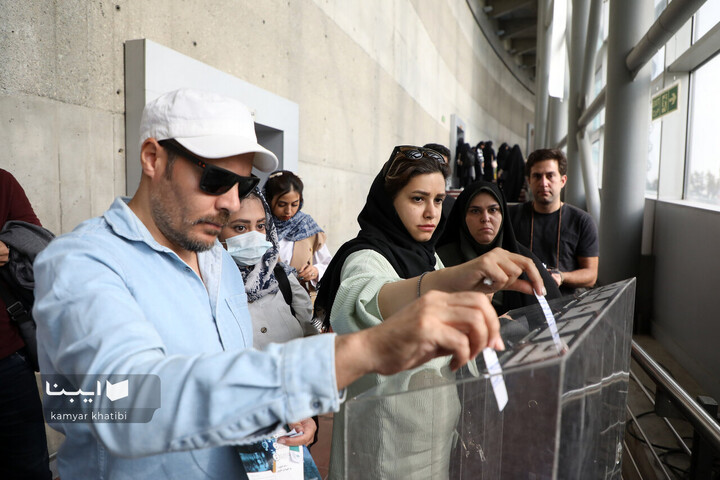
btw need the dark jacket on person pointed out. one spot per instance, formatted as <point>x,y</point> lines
<point>456,246</point>
<point>489,158</point>
<point>513,174</point>
<point>14,205</point>
<point>25,240</point>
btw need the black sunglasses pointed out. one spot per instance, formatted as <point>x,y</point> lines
<point>214,180</point>
<point>413,153</point>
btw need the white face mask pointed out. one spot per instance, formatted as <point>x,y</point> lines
<point>247,249</point>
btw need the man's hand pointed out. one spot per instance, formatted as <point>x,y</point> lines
<point>4,254</point>
<point>557,275</point>
<point>437,324</point>
<point>307,427</point>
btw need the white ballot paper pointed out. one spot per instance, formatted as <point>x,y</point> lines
<point>551,323</point>
<point>496,377</point>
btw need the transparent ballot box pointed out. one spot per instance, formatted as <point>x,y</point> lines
<point>565,411</point>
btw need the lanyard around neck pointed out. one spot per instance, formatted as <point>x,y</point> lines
<point>532,229</point>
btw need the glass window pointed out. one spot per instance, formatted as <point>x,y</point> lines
<point>658,63</point>
<point>658,60</point>
<point>653,161</point>
<point>706,18</point>
<point>597,163</point>
<point>660,6</point>
<point>599,84</point>
<point>605,20</point>
<point>702,181</point>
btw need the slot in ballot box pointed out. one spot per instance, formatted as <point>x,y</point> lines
<point>564,418</point>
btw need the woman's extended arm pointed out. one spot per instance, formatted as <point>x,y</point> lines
<point>500,266</point>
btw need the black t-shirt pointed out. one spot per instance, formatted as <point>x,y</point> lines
<point>578,234</point>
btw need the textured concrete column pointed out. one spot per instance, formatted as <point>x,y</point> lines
<point>626,139</point>
<point>575,188</point>
<point>557,120</point>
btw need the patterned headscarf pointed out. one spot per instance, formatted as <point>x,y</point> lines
<point>259,278</point>
<point>299,227</point>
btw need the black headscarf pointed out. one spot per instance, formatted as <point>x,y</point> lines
<point>502,154</point>
<point>489,156</point>
<point>514,176</point>
<point>457,242</point>
<point>381,230</point>
<point>456,245</point>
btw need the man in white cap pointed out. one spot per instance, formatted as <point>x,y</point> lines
<point>146,289</point>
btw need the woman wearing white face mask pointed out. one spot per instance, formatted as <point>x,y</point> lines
<point>280,307</point>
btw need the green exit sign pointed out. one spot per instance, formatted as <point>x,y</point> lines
<point>665,102</point>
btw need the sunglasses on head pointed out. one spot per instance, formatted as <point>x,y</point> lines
<point>413,153</point>
<point>214,180</point>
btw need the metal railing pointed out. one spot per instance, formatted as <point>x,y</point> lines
<point>706,441</point>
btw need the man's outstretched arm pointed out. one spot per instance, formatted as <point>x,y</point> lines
<point>437,324</point>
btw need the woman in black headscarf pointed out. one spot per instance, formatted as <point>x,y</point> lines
<point>514,174</point>
<point>465,163</point>
<point>502,154</point>
<point>476,225</point>
<point>389,264</point>
<point>501,173</point>
<point>490,162</point>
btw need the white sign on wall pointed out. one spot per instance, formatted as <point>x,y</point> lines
<point>152,69</point>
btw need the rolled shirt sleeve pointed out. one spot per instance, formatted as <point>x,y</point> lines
<point>109,304</point>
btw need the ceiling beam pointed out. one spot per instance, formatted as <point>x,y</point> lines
<point>525,61</point>
<point>517,28</point>
<point>520,46</point>
<point>498,8</point>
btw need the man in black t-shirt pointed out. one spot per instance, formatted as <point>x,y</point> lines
<point>563,237</point>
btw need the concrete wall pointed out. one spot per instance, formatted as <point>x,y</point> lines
<point>686,301</point>
<point>367,75</point>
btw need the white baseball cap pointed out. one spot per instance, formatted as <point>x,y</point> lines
<point>207,124</point>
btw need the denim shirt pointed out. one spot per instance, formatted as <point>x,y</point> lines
<point>110,299</point>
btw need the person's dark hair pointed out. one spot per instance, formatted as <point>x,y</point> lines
<point>547,154</point>
<point>170,147</point>
<point>441,149</point>
<point>281,182</point>
<point>407,162</point>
